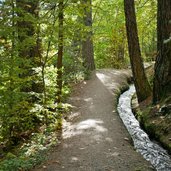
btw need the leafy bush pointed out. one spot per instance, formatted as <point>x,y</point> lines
<point>31,153</point>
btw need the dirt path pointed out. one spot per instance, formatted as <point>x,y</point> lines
<point>95,138</point>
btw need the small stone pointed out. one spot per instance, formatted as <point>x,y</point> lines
<point>126,139</point>
<point>44,167</point>
<point>169,139</point>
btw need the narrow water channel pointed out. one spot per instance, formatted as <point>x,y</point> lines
<point>151,151</point>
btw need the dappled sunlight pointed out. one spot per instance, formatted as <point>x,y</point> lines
<point>85,127</point>
<point>75,98</point>
<point>107,77</point>
<point>74,115</point>
<point>74,159</point>
<point>90,123</point>
<point>88,99</point>
<point>109,139</point>
<point>102,77</point>
<point>106,80</point>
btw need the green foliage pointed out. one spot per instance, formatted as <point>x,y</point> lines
<point>19,120</point>
<point>110,36</point>
<point>19,163</point>
<point>31,153</point>
<point>29,57</point>
<point>146,20</point>
<point>73,69</point>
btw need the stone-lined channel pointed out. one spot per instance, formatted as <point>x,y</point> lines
<point>151,151</point>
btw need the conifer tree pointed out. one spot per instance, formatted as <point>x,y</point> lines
<point>142,86</point>
<point>162,76</point>
<point>29,46</point>
<point>87,42</point>
<point>60,50</point>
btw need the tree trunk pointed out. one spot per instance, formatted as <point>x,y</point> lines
<point>162,76</point>
<point>141,84</point>
<point>60,51</point>
<point>29,43</point>
<point>27,29</point>
<point>87,44</point>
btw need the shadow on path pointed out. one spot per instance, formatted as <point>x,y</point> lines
<point>94,138</point>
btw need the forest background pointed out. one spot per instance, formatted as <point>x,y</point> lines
<point>47,46</point>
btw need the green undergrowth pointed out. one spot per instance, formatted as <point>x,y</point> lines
<point>32,150</point>
<point>156,123</point>
<point>30,153</point>
<point>157,126</point>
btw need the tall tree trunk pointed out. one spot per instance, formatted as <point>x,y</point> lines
<point>87,44</point>
<point>142,86</point>
<point>11,72</point>
<point>29,42</point>
<point>60,51</point>
<point>162,76</point>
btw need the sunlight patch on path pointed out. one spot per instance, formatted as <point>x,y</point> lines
<point>105,78</point>
<point>84,127</point>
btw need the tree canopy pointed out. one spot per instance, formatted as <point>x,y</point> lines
<point>47,46</point>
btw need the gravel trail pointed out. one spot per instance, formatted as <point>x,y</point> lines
<point>94,137</point>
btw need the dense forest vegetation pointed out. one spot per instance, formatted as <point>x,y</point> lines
<point>47,46</point>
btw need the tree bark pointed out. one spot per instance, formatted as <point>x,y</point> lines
<point>60,51</point>
<point>142,86</point>
<point>87,44</point>
<point>29,43</point>
<point>27,29</point>
<point>162,76</point>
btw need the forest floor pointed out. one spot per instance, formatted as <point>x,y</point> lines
<point>94,137</point>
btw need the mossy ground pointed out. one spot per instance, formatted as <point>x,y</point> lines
<point>155,123</point>
<point>158,127</point>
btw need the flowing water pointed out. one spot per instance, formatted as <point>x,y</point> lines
<point>151,151</point>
